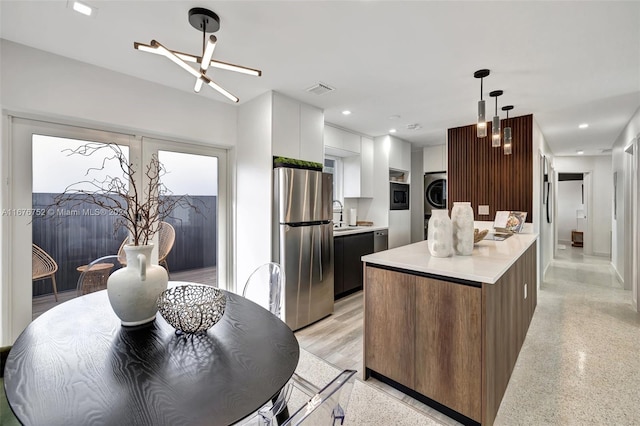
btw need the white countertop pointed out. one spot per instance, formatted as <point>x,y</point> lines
<point>350,230</point>
<point>488,262</point>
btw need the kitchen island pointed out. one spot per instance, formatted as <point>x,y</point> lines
<point>448,331</point>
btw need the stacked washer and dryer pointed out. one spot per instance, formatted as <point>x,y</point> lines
<point>435,195</point>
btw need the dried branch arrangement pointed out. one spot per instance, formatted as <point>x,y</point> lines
<point>139,211</point>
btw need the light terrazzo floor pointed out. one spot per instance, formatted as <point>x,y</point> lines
<point>580,362</point>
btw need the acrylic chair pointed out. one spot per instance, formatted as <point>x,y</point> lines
<point>166,240</point>
<point>43,266</point>
<point>323,407</point>
<point>265,286</point>
<point>94,276</point>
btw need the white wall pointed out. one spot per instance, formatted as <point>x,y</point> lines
<point>253,187</point>
<point>569,201</point>
<point>39,83</point>
<point>540,225</point>
<point>602,193</point>
<point>625,228</point>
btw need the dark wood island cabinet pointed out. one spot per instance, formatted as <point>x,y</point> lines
<point>449,331</point>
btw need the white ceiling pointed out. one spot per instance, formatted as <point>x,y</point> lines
<point>564,62</point>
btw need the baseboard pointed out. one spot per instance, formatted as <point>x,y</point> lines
<point>619,277</point>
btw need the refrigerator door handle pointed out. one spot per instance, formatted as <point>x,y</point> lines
<point>319,244</point>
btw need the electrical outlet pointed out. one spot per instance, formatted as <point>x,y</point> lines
<point>483,210</point>
<point>525,290</point>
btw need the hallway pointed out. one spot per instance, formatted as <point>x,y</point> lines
<point>579,363</point>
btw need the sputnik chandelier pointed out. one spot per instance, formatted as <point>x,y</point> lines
<point>208,22</point>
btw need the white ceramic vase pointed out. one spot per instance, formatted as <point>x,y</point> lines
<point>133,290</point>
<point>439,234</point>
<point>462,220</point>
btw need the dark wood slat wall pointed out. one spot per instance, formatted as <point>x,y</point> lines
<point>483,175</point>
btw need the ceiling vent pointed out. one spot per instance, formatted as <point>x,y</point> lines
<point>414,126</point>
<point>320,89</point>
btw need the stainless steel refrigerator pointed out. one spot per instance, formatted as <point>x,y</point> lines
<point>303,243</point>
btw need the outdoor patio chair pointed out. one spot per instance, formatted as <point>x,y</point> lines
<point>166,239</point>
<point>43,266</point>
<point>94,276</point>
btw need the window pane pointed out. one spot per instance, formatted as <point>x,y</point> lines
<point>73,234</point>
<point>193,256</point>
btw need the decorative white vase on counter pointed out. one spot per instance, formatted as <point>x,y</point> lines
<point>462,220</point>
<point>134,289</point>
<point>439,234</point>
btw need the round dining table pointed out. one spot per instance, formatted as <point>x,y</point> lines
<point>76,365</point>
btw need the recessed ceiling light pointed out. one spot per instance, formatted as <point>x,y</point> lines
<point>580,152</point>
<point>82,8</point>
<point>392,130</point>
<point>583,126</point>
<point>346,112</point>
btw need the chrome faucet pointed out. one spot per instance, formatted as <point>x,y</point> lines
<point>341,210</point>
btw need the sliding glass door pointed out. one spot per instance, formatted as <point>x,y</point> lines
<point>38,166</point>
<point>193,177</point>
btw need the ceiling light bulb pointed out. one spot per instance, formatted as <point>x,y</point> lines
<point>170,55</point>
<point>580,152</point>
<point>82,8</point>
<point>346,112</point>
<point>392,130</point>
<point>198,85</point>
<point>507,149</point>
<point>583,126</point>
<point>495,132</point>
<point>220,89</point>
<point>482,122</point>
<point>208,53</point>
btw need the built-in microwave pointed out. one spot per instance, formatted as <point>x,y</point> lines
<point>399,196</point>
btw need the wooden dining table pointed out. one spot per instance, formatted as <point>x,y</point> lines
<point>76,365</point>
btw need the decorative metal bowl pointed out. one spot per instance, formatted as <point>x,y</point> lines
<point>192,308</point>
<point>479,235</point>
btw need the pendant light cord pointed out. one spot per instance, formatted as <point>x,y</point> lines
<point>481,88</point>
<point>204,38</point>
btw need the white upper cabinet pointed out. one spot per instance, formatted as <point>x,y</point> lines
<point>311,133</point>
<point>341,140</point>
<point>297,129</point>
<point>358,171</point>
<point>399,154</point>
<point>435,158</point>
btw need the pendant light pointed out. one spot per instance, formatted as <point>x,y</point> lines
<point>208,22</point>
<point>495,125</point>
<point>507,131</point>
<point>482,121</point>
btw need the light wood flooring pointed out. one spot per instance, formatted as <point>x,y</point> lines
<point>338,339</point>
